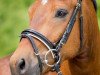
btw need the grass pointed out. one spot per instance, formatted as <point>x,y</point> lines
<point>98,13</point>
<point>14,19</point>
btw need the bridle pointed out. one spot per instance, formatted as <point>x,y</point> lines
<point>54,49</point>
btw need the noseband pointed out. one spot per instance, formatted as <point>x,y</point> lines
<point>54,49</point>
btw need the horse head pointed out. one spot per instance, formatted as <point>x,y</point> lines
<point>55,34</point>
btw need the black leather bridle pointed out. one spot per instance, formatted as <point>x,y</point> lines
<point>55,48</point>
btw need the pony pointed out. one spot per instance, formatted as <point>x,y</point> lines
<point>79,55</point>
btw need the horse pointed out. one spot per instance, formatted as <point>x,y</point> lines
<point>76,54</point>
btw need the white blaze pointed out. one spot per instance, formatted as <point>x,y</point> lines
<point>44,2</point>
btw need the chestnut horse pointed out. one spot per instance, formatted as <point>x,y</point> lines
<point>50,18</point>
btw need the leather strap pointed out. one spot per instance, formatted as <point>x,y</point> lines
<point>30,38</point>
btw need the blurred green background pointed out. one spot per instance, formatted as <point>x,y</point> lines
<point>14,19</point>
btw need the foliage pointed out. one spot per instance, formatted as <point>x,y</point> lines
<point>98,1</point>
<point>14,19</point>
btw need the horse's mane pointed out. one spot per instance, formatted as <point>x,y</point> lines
<point>95,4</point>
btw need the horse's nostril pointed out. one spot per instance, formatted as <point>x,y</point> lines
<point>21,64</point>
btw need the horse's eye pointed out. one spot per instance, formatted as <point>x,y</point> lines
<point>61,13</point>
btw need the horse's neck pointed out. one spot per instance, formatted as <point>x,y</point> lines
<point>90,28</point>
<point>88,61</point>
<point>91,39</point>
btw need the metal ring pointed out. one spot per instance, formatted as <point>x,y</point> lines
<point>46,61</point>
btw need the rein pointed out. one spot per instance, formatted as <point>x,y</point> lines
<point>95,5</point>
<point>54,49</point>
